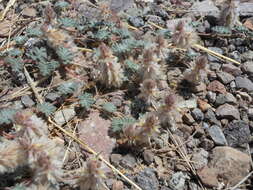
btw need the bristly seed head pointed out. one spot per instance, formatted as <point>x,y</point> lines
<point>105,51</point>
<point>170,100</point>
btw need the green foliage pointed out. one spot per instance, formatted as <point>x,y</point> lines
<point>102,34</point>
<point>6,115</point>
<point>122,32</point>
<point>46,68</point>
<point>34,32</point>
<point>15,52</point>
<point>20,40</point>
<point>86,100</point>
<point>131,65</point>
<point>221,30</point>
<point>19,187</point>
<point>109,107</point>
<point>67,88</point>
<point>65,55</point>
<point>61,4</point>
<point>16,64</point>
<point>46,108</point>
<point>119,123</point>
<point>38,54</point>
<point>67,22</point>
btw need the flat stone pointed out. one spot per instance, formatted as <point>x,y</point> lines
<point>211,117</point>
<point>52,96</point>
<point>248,55</point>
<point>224,77</point>
<point>230,164</point>
<point>232,69</point>
<point>200,88</point>
<point>220,99</point>
<point>230,98</point>
<point>147,179</point>
<point>128,161</point>
<point>244,83</point>
<point>217,135</point>
<point>200,158</point>
<point>64,115</point>
<point>237,133</point>
<point>247,67</point>
<point>208,176</point>
<point>197,114</point>
<point>27,101</point>
<point>227,111</point>
<point>148,156</point>
<point>216,86</point>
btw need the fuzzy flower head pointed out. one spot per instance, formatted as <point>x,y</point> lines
<point>194,76</point>
<point>183,39</point>
<point>148,91</point>
<point>229,14</point>
<point>111,72</point>
<point>92,176</point>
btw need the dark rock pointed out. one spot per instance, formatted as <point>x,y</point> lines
<point>27,101</point>
<point>148,156</point>
<point>197,114</point>
<point>227,111</point>
<point>247,67</point>
<point>147,180</point>
<point>211,117</point>
<point>207,144</point>
<point>199,131</point>
<point>244,83</point>
<point>136,21</point>
<point>155,19</point>
<point>217,135</point>
<point>224,77</point>
<point>237,133</point>
<point>235,55</point>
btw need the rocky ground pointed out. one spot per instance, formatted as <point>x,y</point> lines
<point>125,81</point>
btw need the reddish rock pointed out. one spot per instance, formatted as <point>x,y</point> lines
<point>230,164</point>
<point>204,106</point>
<point>94,132</point>
<point>208,176</point>
<point>227,111</point>
<point>216,86</point>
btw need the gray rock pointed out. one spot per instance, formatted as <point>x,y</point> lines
<point>250,113</point>
<point>115,159</point>
<point>147,179</point>
<point>197,114</point>
<point>211,96</point>
<point>230,98</point>
<point>136,21</point>
<point>214,66</point>
<point>227,111</point>
<point>52,96</point>
<point>237,133</point>
<point>211,117</point>
<point>247,55</point>
<point>235,55</point>
<point>217,50</point>
<point>232,69</point>
<point>200,158</point>
<point>148,156</point>
<point>63,116</point>
<point>224,77</point>
<point>232,85</point>
<point>17,105</point>
<point>217,135</point>
<point>177,181</point>
<point>220,100</point>
<point>244,83</point>
<point>248,67</point>
<point>27,101</point>
<point>128,161</point>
